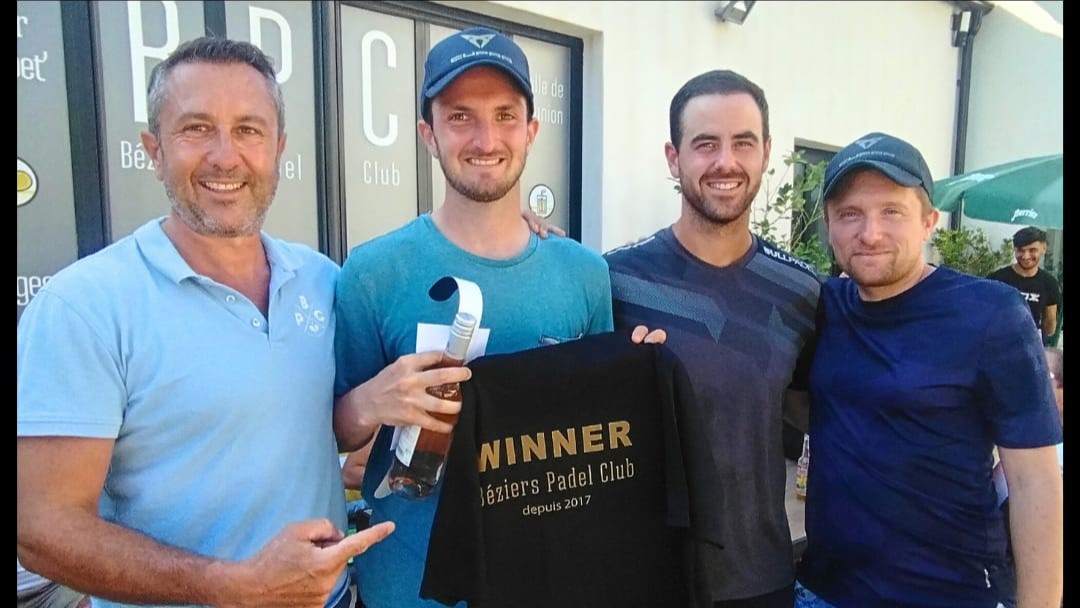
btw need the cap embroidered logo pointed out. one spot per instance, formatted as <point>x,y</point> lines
<point>867,143</point>
<point>477,40</point>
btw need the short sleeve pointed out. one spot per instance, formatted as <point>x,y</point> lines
<point>358,346</point>
<point>70,374</point>
<point>1053,291</point>
<point>600,317</point>
<point>1013,381</point>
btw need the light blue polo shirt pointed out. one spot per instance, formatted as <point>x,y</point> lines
<point>222,420</point>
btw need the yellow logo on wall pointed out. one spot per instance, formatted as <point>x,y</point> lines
<point>28,183</point>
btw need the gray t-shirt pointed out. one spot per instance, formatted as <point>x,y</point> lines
<point>739,331</point>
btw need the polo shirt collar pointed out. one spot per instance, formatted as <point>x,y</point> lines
<point>160,253</point>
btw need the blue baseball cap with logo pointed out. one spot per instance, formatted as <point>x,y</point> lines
<point>460,52</point>
<point>895,158</point>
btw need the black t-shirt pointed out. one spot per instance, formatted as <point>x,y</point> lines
<point>565,485</point>
<point>1040,291</point>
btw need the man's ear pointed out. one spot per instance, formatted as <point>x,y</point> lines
<point>428,135</point>
<point>534,128</point>
<point>672,156</point>
<point>153,148</point>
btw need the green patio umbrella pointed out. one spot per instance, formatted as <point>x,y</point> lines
<point>1025,192</point>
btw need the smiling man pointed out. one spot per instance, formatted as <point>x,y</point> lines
<point>1039,288</point>
<point>175,440</point>
<point>476,107</point>
<point>919,372</point>
<point>738,313</point>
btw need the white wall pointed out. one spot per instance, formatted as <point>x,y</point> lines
<point>832,71</point>
<point>1017,93</point>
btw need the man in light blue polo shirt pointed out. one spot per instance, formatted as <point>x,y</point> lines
<point>175,397</point>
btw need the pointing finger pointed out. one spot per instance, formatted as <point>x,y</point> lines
<point>355,544</point>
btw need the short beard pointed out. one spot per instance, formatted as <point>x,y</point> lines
<point>477,193</point>
<point>702,209</point>
<point>205,225</point>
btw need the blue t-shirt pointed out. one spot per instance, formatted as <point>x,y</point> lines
<point>554,290</point>
<point>739,331</point>
<point>909,396</point>
<point>221,417</point>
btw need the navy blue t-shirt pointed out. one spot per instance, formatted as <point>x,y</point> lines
<point>909,397</point>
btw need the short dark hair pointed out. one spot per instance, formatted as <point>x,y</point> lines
<point>1027,236</point>
<point>211,49</point>
<point>716,82</point>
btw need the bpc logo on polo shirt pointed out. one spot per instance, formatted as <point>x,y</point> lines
<point>312,319</point>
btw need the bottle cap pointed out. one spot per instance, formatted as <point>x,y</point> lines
<point>460,335</point>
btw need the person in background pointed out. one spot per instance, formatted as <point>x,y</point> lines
<point>175,390</point>
<point>1039,287</point>
<point>738,312</point>
<point>919,372</point>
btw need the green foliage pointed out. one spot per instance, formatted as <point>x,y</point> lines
<point>970,251</point>
<point>791,205</point>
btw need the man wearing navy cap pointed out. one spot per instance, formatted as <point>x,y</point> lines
<point>476,108</point>
<point>919,373</point>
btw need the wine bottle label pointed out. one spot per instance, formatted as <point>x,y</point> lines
<point>407,444</point>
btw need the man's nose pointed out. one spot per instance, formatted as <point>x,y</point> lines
<point>484,136</point>
<point>224,154</point>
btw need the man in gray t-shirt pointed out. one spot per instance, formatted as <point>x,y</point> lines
<point>738,313</point>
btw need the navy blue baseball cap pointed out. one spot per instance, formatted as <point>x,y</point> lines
<point>897,159</point>
<point>465,50</point>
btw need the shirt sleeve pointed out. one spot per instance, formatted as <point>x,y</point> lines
<point>70,379</point>
<point>359,352</point>
<point>601,319</point>
<point>1053,291</point>
<point>1013,381</point>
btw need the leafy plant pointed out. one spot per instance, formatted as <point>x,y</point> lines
<point>791,204</point>
<point>970,251</point>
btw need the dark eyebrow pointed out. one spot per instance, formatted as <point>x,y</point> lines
<point>509,107</point>
<point>741,136</point>
<point>700,137</point>
<point>747,135</point>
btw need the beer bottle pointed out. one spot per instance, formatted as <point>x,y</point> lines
<point>802,467</point>
<point>420,453</point>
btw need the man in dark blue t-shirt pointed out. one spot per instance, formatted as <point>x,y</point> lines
<point>919,373</point>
